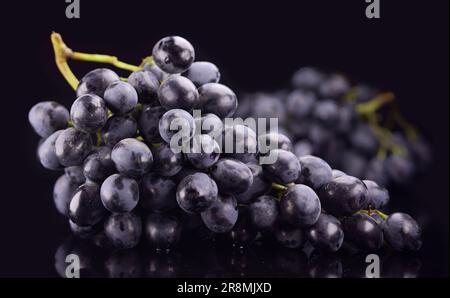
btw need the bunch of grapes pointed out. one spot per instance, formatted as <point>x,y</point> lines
<point>124,180</point>
<point>354,127</point>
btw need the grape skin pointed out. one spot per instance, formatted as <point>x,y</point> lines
<point>98,165</point>
<point>285,169</point>
<point>179,119</point>
<point>326,234</point>
<point>88,113</point>
<point>63,191</point>
<point>120,97</point>
<point>123,230</point>
<point>222,215</point>
<point>173,54</point>
<point>202,72</point>
<point>217,99</point>
<point>157,194</point>
<point>86,208</point>
<point>196,193</point>
<point>47,117</point>
<point>363,231</point>
<point>232,176</point>
<point>118,128</point>
<point>119,194</point>
<point>402,232</point>
<point>315,172</point>
<point>96,81</point>
<point>146,85</point>
<point>263,212</point>
<point>300,206</point>
<point>132,157</point>
<point>178,92</point>
<point>47,152</point>
<point>149,123</point>
<point>72,146</point>
<point>165,161</point>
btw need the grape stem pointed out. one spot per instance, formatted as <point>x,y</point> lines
<point>376,103</point>
<point>277,186</point>
<point>63,53</point>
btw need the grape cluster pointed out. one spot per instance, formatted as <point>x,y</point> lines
<point>123,179</point>
<point>351,126</point>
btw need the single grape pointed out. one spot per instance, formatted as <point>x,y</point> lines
<point>362,231</point>
<point>263,212</point>
<point>196,193</point>
<point>47,117</point>
<point>315,172</point>
<point>157,194</point>
<point>239,142</point>
<point>149,123</point>
<point>259,186</point>
<point>363,138</point>
<point>204,152</point>
<point>76,174</point>
<point>177,123</point>
<point>118,128</point>
<point>347,118</point>
<point>72,146</point>
<point>343,196</point>
<point>402,232</point>
<point>232,176</point>
<point>307,78</point>
<point>288,236</point>
<point>376,171</point>
<point>120,97</point>
<point>98,165</point>
<point>300,206</point>
<point>353,163</point>
<point>47,152</point>
<point>222,214</point>
<point>178,92</point>
<point>119,194</point>
<point>96,81</point>
<point>217,99</point>
<point>209,124</point>
<point>173,54</point>
<point>378,196</point>
<point>165,161</point>
<point>326,234</point>
<point>123,230</point>
<point>86,208</point>
<point>163,231</point>
<point>63,191</point>
<point>285,167</point>
<point>300,104</point>
<point>132,157</point>
<point>89,113</point>
<point>202,72</point>
<point>273,140</point>
<point>146,85</point>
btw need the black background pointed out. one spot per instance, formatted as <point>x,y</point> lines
<point>257,45</point>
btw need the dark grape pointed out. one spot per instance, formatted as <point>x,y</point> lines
<point>363,231</point>
<point>146,85</point>
<point>326,112</point>
<point>196,193</point>
<point>63,191</point>
<point>98,165</point>
<point>240,142</point>
<point>307,78</point>
<point>300,104</point>
<point>149,123</point>
<point>315,172</point>
<point>343,195</point>
<point>300,206</point>
<point>273,140</point>
<point>47,152</point>
<point>165,161</point>
<point>285,167</point>
<point>118,128</point>
<point>334,86</point>
<point>86,208</point>
<point>217,99</point>
<point>204,152</point>
<point>76,174</point>
<point>47,117</point>
<point>337,173</point>
<point>156,71</point>
<point>176,122</point>
<point>232,176</point>
<point>173,54</point>
<point>119,194</point>
<point>222,215</point>
<point>72,146</point>
<point>326,234</point>
<point>402,232</point>
<point>89,113</point>
<point>289,236</point>
<point>202,72</point>
<point>209,124</point>
<point>259,186</point>
<point>96,81</point>
<point>399,168</point>
<point>132,157</point>
<point>120,97</point>
<point>178,92</point>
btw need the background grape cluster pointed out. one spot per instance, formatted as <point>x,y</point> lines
<point>123,183</point>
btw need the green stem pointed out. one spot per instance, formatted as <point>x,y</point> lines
<point>277,186</point>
